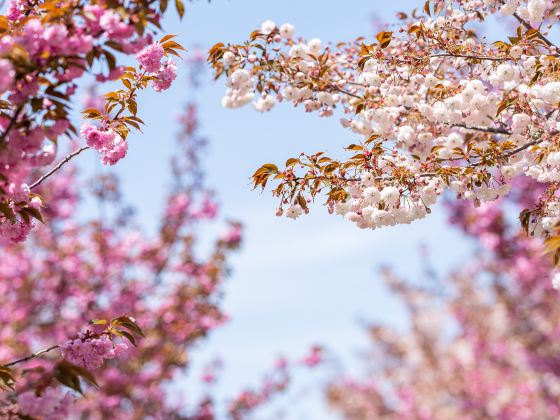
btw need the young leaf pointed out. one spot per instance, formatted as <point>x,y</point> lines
<point>180,7</point>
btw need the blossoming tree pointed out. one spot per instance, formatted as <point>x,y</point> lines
<point>434,105</point>
<point>46,49</point>
<point>482,344</point>
<point>78,295</point>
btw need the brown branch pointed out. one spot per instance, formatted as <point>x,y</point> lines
<point>472,57</point>
<point>348,93</point>
<point>521,148</point>
<point>57,167</point>
<point>31,356</point>
<point>484,129</point>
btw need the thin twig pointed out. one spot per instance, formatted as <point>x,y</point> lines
<point>472,57</point>
<point>31,356</point>
<point>57,167</point>
<point>521,148</point>
<point>348,93</point>
<point>484,129</point>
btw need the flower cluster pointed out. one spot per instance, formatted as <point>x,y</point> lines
<point>52,404</point>
<point>434,106</point>
<point>89,350</point>
<point>150,57</point>
<point>111,146</point>
<point>165,76</point>
<point>240,89</point>
<point>150,60</point>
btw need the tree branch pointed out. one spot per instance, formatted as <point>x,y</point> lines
<point>57,167</point>
<point>348,93</point>
<point>31,356</point>
<point>473,57</point>
<point>484,129</point>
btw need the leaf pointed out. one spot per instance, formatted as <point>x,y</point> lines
<point>112,95</point>
<point>167,38</point>
<point>330,168</point>
<point>129,324</point>
<point>91,111</point>
<point>7,211</point>
<point>500,44</point>
<point>301,201</point>
<point>532,33</point>
<point>271,167</point>
<point>354,147</point>
<point>128,336</point>
<point>180,8</point>
<point>140,26</point>
<point>372,138</point>
<point>384,38</point>
<point>69,374</point>
<point>291,162</point>
<point>6,378</point>
<point>216,52</point>
<point>366,49</point>
<point>4,23</point>
<point>170,45</point>
<point>33,212</point>
<point>114,45</point>
<point>427,8</point>
<point>503,105</point>
<point>133,124</point>
<point>524,217</point>
<point>111,60</point>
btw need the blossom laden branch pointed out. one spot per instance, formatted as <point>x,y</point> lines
<point>434,105</point>
<point>83,353</point>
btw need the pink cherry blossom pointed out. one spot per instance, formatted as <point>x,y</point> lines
<point>165,76</point>
<point>150,57</point>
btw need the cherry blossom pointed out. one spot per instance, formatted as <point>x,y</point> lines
<point>435,108</point>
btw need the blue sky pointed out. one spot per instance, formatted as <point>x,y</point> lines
<point>295,283</point>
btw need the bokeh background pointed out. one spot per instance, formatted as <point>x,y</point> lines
<point>295,283</point>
